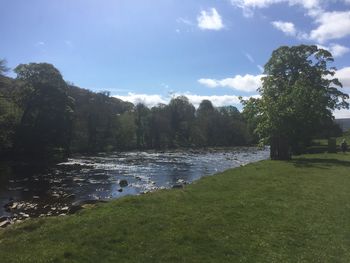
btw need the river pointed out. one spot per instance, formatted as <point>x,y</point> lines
<point>27,191</point>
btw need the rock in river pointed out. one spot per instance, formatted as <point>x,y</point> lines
<point>123,183</point>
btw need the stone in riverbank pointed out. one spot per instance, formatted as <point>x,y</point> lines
<point>5,224</point>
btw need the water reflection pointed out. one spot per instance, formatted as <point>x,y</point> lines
<point>97,177</point>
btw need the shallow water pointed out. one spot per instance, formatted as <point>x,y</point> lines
<point>52,191</point>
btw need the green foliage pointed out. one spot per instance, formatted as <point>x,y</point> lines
<point>47,116</point>
<point>52,117</point>
<point>298,96</point>
<point>142,122</point>
<point>181,114</point>
<point>95,120</point>
<point>160,127</point>
<point>9,120</point>
<point>126,131</point>
<point>269,211</point>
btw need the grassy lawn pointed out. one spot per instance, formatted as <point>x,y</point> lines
<point>270,211</point>
<point>321,145</point>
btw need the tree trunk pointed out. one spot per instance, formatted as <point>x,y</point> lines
<point>279,148</point>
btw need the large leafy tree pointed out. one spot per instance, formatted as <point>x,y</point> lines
<point>298,95</point>
<point>45,126</point>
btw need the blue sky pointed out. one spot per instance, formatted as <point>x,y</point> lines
<point>149,50</point>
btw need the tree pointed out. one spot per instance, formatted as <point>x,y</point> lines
<point>230,127</point>
<point>45,127</point>
<point>160,126</point>
<point>298,95</point>
<point>181,113</point>
<point>142,122</point>
<point>126,131</point>
<point>203,130</point>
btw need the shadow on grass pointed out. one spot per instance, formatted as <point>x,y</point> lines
<point>319,163</point>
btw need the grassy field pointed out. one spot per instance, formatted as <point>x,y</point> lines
<point>270,211</point>
<point>321,145</point>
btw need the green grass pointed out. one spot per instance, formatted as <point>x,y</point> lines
<point>321,145</point>
<point>270,211</point>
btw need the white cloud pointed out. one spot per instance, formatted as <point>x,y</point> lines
<point>148,100</point>
<point>247,83</point>
<point>261,68</point>
<point>210,20</point>
<point>254,3</point>
<point>153,100</point>
<point>336,49</point>
<point>289,29</point>
<point>329,25</point>
<point>212,83</point>
<point>332,25</point>
<point>217,100</point>
<point>344,76</point>
<point>286,27</point>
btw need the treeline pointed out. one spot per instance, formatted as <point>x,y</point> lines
<point>41,115</point>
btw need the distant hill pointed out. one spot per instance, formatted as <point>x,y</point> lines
<point>344,124</point>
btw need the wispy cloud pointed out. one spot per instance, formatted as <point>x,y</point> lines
<point>248,6</point>
<point>185,21</point>
<point>336,49</point>
<point>247,83</point>
<point>40,44</point>
<point>68,43</point>
<point>286,27</point>
<point>210,20</point>
<point>249,57</point>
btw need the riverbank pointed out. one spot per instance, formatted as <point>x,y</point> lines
<point>270,211</point>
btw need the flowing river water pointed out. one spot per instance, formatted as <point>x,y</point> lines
<point>27,191</point>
